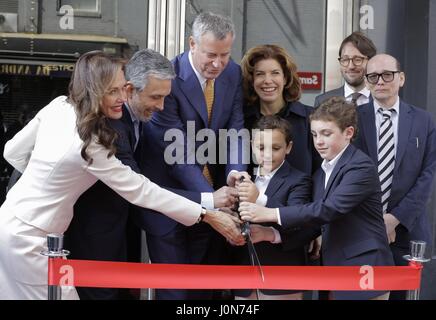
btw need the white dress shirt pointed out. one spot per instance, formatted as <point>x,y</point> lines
<point>329,166</point>
<point>262,183</point>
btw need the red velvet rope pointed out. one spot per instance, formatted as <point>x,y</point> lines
<point>161,276</point>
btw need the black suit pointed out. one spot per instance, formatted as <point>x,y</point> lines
<point>287,187</point>
<point>98,229</point>
<point>104,224</point>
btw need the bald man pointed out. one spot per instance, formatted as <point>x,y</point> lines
<point>401,140</point>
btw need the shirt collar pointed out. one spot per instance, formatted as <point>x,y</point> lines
<point>396,106</point>
<point>200,78</point>
<point>271,174</point>
<point>329,165</point>
<point>132,114</point>
<point>348,91</point>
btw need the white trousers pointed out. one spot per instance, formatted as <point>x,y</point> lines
<point>23,270</point>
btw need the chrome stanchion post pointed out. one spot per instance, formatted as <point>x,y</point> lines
<point>55,243</point>
<point>417,256</point>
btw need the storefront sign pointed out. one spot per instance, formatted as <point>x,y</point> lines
<point>4,88</point>
<point>310,80</point>
<point>44,70</point>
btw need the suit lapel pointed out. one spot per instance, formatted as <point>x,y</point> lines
<point>341,163</point>
<point>404,129</point>
<point>278,179</point>
<point>191,88</point>
<point>127,119</point>
<point>369,130</point>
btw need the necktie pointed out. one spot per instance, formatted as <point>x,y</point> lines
<point>386,156</point>
<point>136,128</point>
<point>209,96</point>
<point>355,96</point>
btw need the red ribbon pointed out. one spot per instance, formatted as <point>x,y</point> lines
<point>161,276</point>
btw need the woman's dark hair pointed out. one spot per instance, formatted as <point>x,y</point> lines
<point>292,89</point>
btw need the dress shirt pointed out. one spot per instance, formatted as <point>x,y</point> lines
<point>329,166</point>
<point>364,94</point>
<point>262,183</point>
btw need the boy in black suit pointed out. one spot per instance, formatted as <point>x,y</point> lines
<point>277,185</point>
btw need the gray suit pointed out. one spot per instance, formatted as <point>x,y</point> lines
<point>339,92</point>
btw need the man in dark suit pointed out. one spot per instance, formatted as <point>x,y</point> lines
<point>206,94</point>
<point>346,199</point>
<point>407,168</point>
<point>354,53</point>
<point>100,229</point>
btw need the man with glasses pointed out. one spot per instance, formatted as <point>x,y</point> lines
<point>401,140</point>
<point>354,53</point>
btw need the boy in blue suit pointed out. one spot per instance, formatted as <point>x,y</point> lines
<point>277,184</point>
<point>347,199</point>
<point>407,168</point>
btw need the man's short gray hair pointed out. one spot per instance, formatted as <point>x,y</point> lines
<point>146,63</point>
<point>220,26</point>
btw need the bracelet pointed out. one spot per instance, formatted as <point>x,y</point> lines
<point>202,215</point>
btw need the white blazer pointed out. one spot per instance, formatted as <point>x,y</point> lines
<point>47,151</point>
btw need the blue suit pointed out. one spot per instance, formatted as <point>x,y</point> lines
<point>349,210</point>
<point>168,241</point>
<point>415,164</point>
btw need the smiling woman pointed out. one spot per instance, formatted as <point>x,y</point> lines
<point>115,96</point>
<point>62,152</point>
<point>272,87</point>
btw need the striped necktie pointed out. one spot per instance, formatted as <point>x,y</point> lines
<point>209,95</point>
<point>386,156</point>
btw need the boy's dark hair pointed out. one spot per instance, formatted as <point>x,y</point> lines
<point>339,111</point>
<point>361,42</point>
<point>275,122</point>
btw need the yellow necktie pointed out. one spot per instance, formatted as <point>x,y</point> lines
<point>209,96</point>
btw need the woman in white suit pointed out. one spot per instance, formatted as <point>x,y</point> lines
<point>64,150</point>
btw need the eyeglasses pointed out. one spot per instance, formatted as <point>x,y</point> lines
<point>387,76</point>
<point>357,61</point>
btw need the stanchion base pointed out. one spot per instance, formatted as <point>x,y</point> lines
<point>412,259</point>
<point>52,254</point>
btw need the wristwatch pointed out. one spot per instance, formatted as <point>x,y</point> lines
<point>202,215</point>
